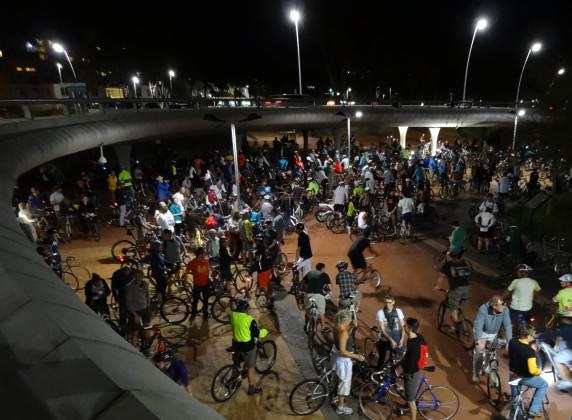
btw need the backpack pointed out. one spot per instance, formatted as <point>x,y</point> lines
<point>423,356</point>
<point>461,271</point>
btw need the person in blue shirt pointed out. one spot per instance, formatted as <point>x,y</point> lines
<point>283,163</point>
<point>179,215</point>
<point>419,176</point>
<point>162,190</point>
<point>432,166</point>
<point>158,267</point>
<point>173,368</point>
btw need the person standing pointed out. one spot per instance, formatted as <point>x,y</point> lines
<point>457,239</point>
<point>199,267</point>
<point>96,293</point>
<point>137,304</point>
<point>303,251</point>
<point>112,185</point>
<point>314,284</point>
<point>391,323</point>
<point>522,289</point>
<point>414,360</point>
<point>485,221</point>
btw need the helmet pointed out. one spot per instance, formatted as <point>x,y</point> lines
<point>523,267</point>
<point>342,265</point>
<point>242,305</point>
<point>164,356</point>
<point>566,278</point>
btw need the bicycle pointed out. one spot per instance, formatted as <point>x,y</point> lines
<point>520,404</point>
<point>465,334</point>
<point>404,233</point>
<point>433,402</point>
<point>296,288</point>
<point>370,275</point>
<point>74,275</point>
<point>490,366</point>
<point>230,377</point>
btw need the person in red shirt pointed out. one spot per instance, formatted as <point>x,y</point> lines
<point>199,268</point>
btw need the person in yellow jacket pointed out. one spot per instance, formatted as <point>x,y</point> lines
<point>244,335</point>
<point>112,184</point>
<point>125,179</point>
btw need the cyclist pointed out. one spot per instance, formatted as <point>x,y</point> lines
<point>406,206</point>
<point>392,210</point>
<point>199,267</point>
<point>355,253</point>
<point>523,289</point>
<point>414,360</point>
<point>96,293</point>
<point>564,300</point>
<point>391,326</point>
<point>457,239</point>
<point>158,267</point>
<point>244,333</point>
<point>491,316</point>
<point>342,353</point>
<point>174,368</point>
<point>137,304</point>
<point>346,280</point>
<point>314,284</point>
<point>303,251</point>
<point>485,221</point>
<point>458,274</point>
<point>523,356</point>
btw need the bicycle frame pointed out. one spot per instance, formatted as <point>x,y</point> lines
<point>421,405</point>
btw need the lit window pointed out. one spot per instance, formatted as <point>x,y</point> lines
<point>19,69</point>
<point>1,54</point>
<point>30,69</point>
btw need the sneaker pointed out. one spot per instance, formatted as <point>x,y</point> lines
<point>344,410</point>
<point>253,390</point>
<point>534,415</point>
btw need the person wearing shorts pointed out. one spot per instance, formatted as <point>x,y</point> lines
<point>314,284</point>
<point>355,253</point>
<point>410,363</point>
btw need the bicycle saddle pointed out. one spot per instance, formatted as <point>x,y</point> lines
<point>429,368</point>
<point>515,382</point>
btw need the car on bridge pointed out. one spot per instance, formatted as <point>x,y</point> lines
<point>289,100</point>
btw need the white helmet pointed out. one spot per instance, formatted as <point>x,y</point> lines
<point>566,278</point>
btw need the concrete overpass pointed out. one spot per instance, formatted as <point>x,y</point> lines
<point>58,359</point>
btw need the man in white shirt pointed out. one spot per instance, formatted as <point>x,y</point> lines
<point>266,207</point>
<point>489,203</point>
<point>390,320</point>
<point>485,221</point>
<point>522,289</point>
<point>504,183</point>
<point>370,180</point>
<point>345,163</point>
<point>164,218</point>
<point>388,181</point>
<point>362,220</point>
<point>340,197</point>
<point>179,197</point>
<point>406,206</point>
<point>56,200</point>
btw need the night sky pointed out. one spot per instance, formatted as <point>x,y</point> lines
<point>418,48</point>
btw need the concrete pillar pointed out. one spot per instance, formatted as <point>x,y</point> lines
<point>123,152</point>
<point>338,133</point>
<point>434,135</point>
<point>402,134</point>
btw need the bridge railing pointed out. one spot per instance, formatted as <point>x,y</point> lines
<point>13,109</point>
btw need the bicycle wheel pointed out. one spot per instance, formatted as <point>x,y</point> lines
<point>441,315</point>
<point>494,392</point>
<point>174,310</point>
<point>466,335</point>
<point>360,376</point>
<point>438,402</point>
<point>222,307</point>
<point>374,279</point>
<point>225,383</point>
<point>282,265</point>
<point>307,397</point>
<point>82,273</point>
<point>338,226</point>
<point>370,351</point>
<point>321,215</point>
<point>70,280</point>
<point>265,356</point>
<point>242,280</point>
<point>371,407</point>
<point>124,249</point>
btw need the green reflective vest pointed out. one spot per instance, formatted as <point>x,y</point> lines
<point>124,178</point>
<point>240,323</point>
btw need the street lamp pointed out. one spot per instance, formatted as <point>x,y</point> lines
<point>348,94</point>
<point>519,113</point>
<point>357,114</point>
<point>171,76</point>
<point>135,81</point>
<point>59,66</point>
<point>534,48</point>
<point>561,71</point>
<point>59,48</point>
<point>251,117</point>
<point>481,25</point>
<point>295,17</point>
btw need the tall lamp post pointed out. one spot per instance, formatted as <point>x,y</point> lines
<point>171,76</point>
<point>251,117</point>
<point>481,25</point>
<point>295,17</point>
<point>534,48</point>
<point>59,66</point>
<point>59,48</point>
<point>358,114</point>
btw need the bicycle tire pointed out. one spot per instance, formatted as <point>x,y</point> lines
<point>70,280</point>
<point>124,249</point>
<point>242,280</point>
<point>229,377</point>
<point>339,226</point>
<point>82,273</point>
<point>374,279</point>
<point>321,215</point>
<point>266,352</point>
<point>174,310</point>
<point>372,408</point>
<point>360,376</point>
<point>370,351</point>
<point>282,265</point>
<point>222,308</point>
<point>450,403</point>
<point>310,391</point>
<point>494,390</point>
<point>441,315</point>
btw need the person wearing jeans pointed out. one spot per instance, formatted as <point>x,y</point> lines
<point>199,267</point>
<point>523,356</point>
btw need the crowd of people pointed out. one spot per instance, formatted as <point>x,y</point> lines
<point>199,210</point>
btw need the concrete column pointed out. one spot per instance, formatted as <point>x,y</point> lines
<point>338,133</point>
<point>434,135</point>
<point>123,152</point>
<point>402,134</point>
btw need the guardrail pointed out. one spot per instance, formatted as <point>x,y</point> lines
<point>35,108</point>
